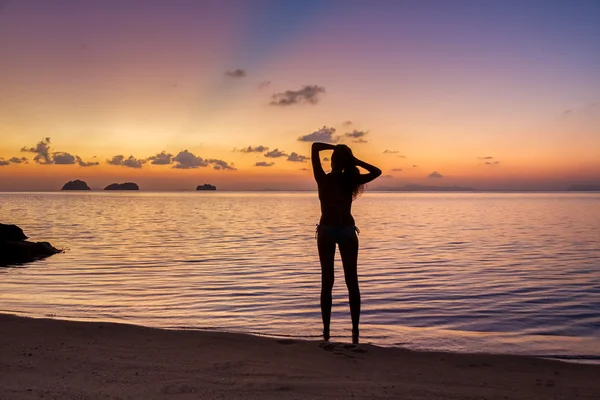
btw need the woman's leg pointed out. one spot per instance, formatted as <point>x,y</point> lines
<point>326,246</point>
<point>349,253</point>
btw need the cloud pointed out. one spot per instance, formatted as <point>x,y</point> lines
<point>303,169</point>
<point>326,159</point>
<point>485,158</point>
<point>355,134</point>
<point>394,152</point>
<point>238,73</point>
<point>347,124</point>
<point>264,84</point>
<point>325,134</point>
<point>567,111</point>
<point>415,166</point>
<point>295,157</point>
<point>221,165</point>
<point>3,162</point>
<point>82,163</point>
<point>308,94</point>
<point>44,156</point>
<point>41,150</point>
<point>162,158</point>
<point>17,160</point>
<point>397,170</point>
<point>492,163</point>
<point>255,149</point>
<point>187,160</point>
<point>63,158</point>
<point>275,154</point>
<point>264,164</point>
<point>435,175</point>
<point>130,162</point>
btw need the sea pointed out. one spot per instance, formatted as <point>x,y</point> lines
<point>510,273</point>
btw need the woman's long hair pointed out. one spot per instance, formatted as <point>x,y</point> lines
<point>342,160</point>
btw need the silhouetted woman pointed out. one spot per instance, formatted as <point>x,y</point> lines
<point>337,190</point>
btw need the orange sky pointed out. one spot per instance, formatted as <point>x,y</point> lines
<point>446,91</point>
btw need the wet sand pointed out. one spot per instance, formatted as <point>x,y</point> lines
<point>52,359</point>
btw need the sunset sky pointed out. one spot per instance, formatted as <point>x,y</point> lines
<point>172,94</point>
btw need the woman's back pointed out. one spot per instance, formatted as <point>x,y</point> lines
<point>335,195</point>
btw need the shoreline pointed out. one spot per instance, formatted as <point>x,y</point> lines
<point>69,359</point>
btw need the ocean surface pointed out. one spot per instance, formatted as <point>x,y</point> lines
<point>493,272</point>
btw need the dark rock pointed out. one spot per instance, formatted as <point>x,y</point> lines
<point>14,249</point>
<point>122,186</point>
<point>206,186</point>
<point>76,185</point>
<point>11,233</point>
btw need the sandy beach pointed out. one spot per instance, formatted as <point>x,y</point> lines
<point>53,359</point>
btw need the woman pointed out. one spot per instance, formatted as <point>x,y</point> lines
<point>337,190</point>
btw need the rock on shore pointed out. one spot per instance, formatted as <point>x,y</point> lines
<point>15,249</point>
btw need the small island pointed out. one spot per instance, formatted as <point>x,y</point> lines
<point>75,185</point>
<point>122,186</point>
<point>206,186</point>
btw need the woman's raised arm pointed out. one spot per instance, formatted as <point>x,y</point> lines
<point>374,172</point>
<point>316,159</point>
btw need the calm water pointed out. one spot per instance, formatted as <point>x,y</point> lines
<point>513,273</point>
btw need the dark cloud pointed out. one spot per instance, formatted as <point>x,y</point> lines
<point>162,158</point>
<point>130,162</point>
<point>238,73</point>
<point>264,164</point>
<point>275,154</point>
<point>492,163</point>
<point>17,160</point>
<point>435,175</point>
<point>485,158</point>
<point>255,149</point>
<point>63,158</point>
<point>394,152</point>
<point>326,159</point>
<point>221,165</point>
<point>415,166</point>
<point>308,94</point>
<point>355,134</point>
<point>42,152</point>
<point>44,156</point>
<point>397,170</point>
<point>325,134</point>
<point>303,169</point>
<point>295,157</point>
<point>347,124</point>
<point>187,160</point>
<point>82,163</point>
<point>567,111</point>
<point>264,84</point>
<point>3,162</point>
